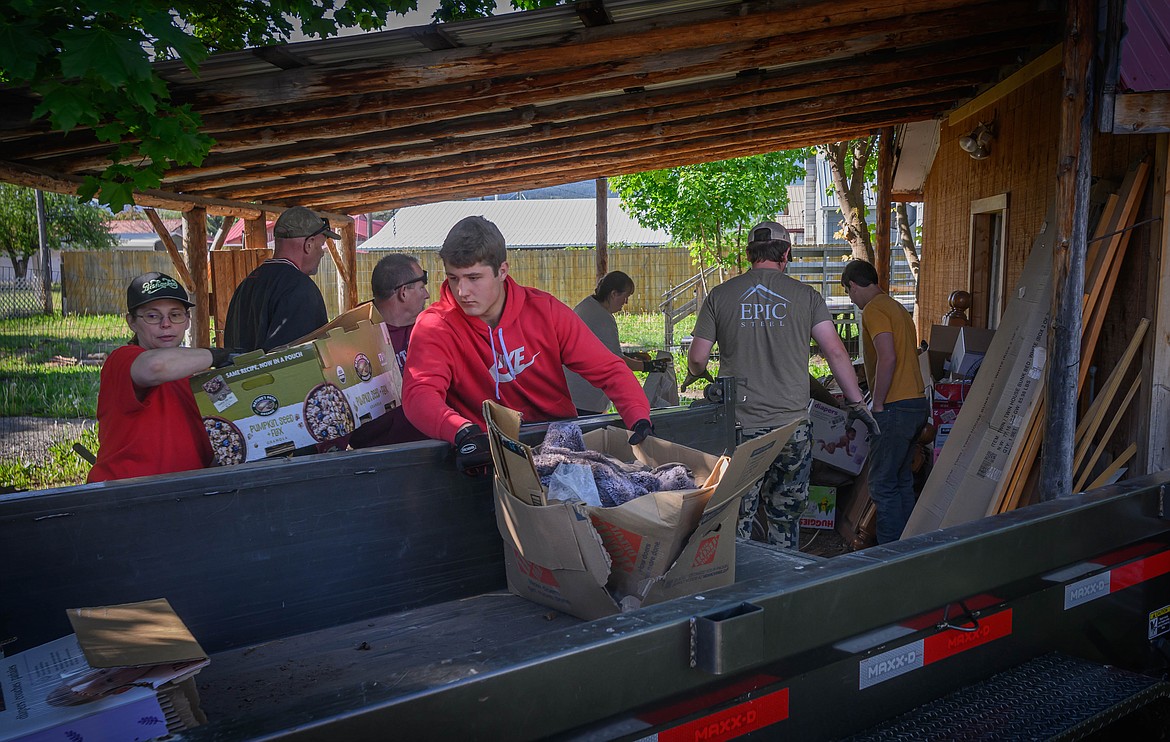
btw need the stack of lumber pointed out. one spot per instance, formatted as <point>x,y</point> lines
<point>988,465</point>
<point>1103,258</point>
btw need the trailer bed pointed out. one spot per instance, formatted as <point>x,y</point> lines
<point>404,653</point>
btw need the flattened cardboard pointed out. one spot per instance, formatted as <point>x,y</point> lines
<point>982,445</point>
<point>592,562</point>
<point>134,635</point>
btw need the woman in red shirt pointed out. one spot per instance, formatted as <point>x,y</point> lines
<point>148,422</point>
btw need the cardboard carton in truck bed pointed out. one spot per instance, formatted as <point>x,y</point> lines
<point>593,561</point>
<point>315,391</point>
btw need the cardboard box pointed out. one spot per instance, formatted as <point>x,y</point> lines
<point>821,511</point>
<point>126,674</point>
<point>315,391</point>
<point>594,561</point>
<point>956,351</point>
<point>836,444</point>
<point>941,433</point>
<point>970,348</point>
<point>946,400</point>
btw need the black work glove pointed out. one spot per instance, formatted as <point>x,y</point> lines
<point>859,411</point>
<point>473,453</point>
<point>221,357</point>
<point>656,364</point>
<point>641,429</point>
<point>692,378</point>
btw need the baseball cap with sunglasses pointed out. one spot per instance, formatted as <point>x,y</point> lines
<point>301,222</point>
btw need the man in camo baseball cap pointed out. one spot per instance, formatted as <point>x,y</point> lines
<point>151,286</point>
<point>301,222</point>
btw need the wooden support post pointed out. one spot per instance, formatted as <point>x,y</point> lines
<point>256,233</point>
<point>1155,400</point>
<point>195,245</point>
<point>221,235</point>
<point>885,182</point>
<point>347,294</point>
<point>1074,159</point>
<point>602,227</point>
<point>169,244</point>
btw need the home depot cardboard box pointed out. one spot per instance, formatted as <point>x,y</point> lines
<point>821,511</point>
<point>314,391</point>
<point>126,674</point>
<point>594,561</point>
<point>840,445</point>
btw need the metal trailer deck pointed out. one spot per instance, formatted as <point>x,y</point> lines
<point>361,596</point>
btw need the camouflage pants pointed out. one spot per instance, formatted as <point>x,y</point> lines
<point>783,490</point>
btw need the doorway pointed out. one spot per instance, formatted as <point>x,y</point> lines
<point>988,245</point>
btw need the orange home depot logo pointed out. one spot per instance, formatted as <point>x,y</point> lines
<point>706,553</point>
<point>623,546</point>
<point>535,571</point>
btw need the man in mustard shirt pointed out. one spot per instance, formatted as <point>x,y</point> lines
<point>890,351</point>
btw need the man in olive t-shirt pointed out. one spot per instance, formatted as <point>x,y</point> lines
<point>899,404</point>
<point>762,321</point>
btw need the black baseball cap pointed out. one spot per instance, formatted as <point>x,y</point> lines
<point>151,286</point>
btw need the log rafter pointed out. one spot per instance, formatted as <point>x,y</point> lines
<point>364,122</point>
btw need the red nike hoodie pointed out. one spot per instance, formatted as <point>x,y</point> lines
<point>455,362</point>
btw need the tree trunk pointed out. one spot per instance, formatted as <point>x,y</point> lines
<point>906,240</point>
<point>851,192</point>
<point>19,265</point>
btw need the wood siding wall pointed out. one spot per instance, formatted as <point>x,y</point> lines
<point>1022,165</point>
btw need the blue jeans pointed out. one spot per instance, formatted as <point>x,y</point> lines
<point>891,483</point>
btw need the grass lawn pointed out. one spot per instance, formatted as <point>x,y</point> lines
<point>42,363</point>
<point>43,373</point>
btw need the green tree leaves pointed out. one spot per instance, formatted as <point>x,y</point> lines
<point>90,63</point>
<point>711,205</point>
<point>81,225</point>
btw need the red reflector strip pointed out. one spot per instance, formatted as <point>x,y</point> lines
<point>732,722</point>
<point>953,641</point>
<point>1119,578</point>
<point>1139,571</point>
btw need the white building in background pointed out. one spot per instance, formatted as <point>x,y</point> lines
<point>543,223</point>
<point>814,214</point>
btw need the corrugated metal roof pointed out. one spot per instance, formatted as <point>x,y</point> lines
<point>1145,50</point>
<point>564,222</point>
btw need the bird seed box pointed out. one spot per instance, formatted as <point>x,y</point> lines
<point>317,390</point>
<point>594,561</point>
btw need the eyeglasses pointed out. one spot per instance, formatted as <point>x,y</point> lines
<point>422,278</point>
<point>176,316</point>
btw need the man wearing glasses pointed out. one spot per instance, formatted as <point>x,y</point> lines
<point>148,422</point>
<point>399,286</point>
<point>278,303</point>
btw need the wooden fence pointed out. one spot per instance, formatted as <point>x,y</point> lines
<point>95,282</point>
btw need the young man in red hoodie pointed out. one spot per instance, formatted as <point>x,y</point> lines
<point>488,337</point>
